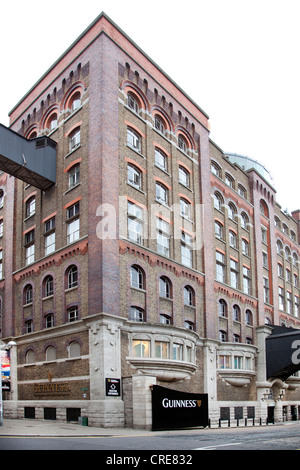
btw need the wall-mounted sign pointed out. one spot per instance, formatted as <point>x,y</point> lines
<point>52,388</point>
<point>5,369</point>
<point>113,387</point>
<point>176,410</point>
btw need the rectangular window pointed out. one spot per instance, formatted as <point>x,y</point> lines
<point>163,237</point>
<point>266,290</point>
<point>281,298</point>
<point>50,244</point>
<point>186,250</point>
<point>140,348</point>
<point>74,140</point>
<point>234,282</point>
<point>238,362</point>
<point>73,210</point>
<point>135,223</point>
<point>220,267</point>
<point>161,350</point>
<point>50,224</point>
<point>224,362</point>
<point>177,352</point>
<point>246,280</point>
<point>73,231</point>
<point>74,176</point>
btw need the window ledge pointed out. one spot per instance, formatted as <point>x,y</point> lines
<point>166,370</point>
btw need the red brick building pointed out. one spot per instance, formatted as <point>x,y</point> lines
<point>156,258</point>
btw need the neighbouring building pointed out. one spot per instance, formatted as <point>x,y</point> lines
<point>154,259</point>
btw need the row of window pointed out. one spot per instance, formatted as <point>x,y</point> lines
<point>48,285</point>
<point>138,281</point>
<point>73,234</point>
<point>135,175</point>
<point>221,273</point>
<point>236,313</point>
<point>231,210</point>
<point>228,361</point>
<point>229,180</point>
<point>236,338</point>
<point>161,125</point>
<point>50,120</point>
<point>73,350</point>
<point>161,350</point>
<point>286,252</point>
<point>135,233</point>
<point>72,315</point>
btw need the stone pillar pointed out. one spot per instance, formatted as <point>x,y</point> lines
<point>105,363</point>
<point>263,386</point>
<point>142,401</point>
<point>210,377</point>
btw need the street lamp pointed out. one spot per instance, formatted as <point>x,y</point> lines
<point>3,346</point>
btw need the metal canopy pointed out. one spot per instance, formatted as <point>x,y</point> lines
<point>281,352</point>
<point>32,161</point>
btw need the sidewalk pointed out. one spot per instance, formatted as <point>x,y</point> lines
<point>42,428</point>
<point>31,427</point>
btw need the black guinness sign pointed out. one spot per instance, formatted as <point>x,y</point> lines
<point>176,410</point>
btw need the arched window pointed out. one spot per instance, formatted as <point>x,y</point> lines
<point>137,278</point>
<point>279,247</point>
<point>30,357</point>
<point>74,349</point>
<point>165,319</point>
<point>30,206</point>
<point>222,308</point>
<point>249,318</point>
<point>162,193</point>
<point>51,121</point>
<point>137,314</point>
<point>159,124</point>
<point>183,143</point>
<point>161,159</point>
<point>184,176</point>
<point>165,288</point>
<point>134,140</point>
<point>264,208</point>
<point>185,208</point>
<point>215,169</point>
<point>49,320</point>
<point>133,103</point>
<point>244,220</point>
<point>75,101</point>
<point>218,201</point>
<point>73,314</point>
<point>50,354</point>
<point>28,295</point>
<point>229,180</point>
<point>72,275</point>
<point>231,211</point>
<point>236,313</point>
<point>189,296</point>
<point>48,286</point>
<point>287,253</point>
<point>134,176</point>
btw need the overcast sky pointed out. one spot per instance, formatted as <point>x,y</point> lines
<point>237,59</point>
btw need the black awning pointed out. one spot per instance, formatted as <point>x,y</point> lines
<point>282,352</point>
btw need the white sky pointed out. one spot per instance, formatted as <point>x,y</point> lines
<point>237,59</point>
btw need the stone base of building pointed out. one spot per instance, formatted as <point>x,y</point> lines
<point>111,413</point>
<point>102,413</point>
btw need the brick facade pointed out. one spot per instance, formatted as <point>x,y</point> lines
<point>142,192</point>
